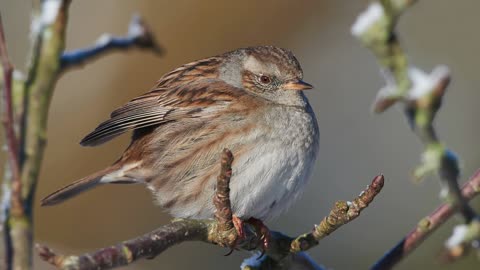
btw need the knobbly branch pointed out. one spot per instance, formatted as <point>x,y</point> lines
<point>283,251</point>
<point>421,95</point>
<point>342,213</point>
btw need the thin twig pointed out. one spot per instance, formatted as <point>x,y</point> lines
<point>282,250</point>
<point>421,95</point>
<point>8,123</point>
<point>138,36</point>
<point>13,182</point>
<point>425,227</point>
<point>31,102</point>
<point>342,213</point>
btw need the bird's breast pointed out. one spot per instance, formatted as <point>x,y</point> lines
<point>275,172</point>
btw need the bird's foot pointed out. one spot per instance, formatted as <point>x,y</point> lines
<point>264,233</point>
<point>238,223</point>
<point>260,228</point>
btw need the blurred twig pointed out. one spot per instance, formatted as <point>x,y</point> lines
<point>421,95</point>
<point>138,36</point>
<point>282,252</point>
<point>25,112</point>
<point>426,226</point>
<point>12,180</point>
<point>8,120</point>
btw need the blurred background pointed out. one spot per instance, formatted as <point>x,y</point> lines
<point>355,144</point>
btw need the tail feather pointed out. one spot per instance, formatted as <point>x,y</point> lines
<point>77,187</point>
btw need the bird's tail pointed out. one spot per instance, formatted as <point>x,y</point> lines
<point>105,176</point>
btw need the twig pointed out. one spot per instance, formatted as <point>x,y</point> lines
<point>282,252</point>
<point>31,103</point>
<point>426,226</point>
<point>342,213</point>
<point>146,246</point>
<point>464,238</point>
<point>8,123</point>
<point>221,200</point>
<point>12,196</point>
<point>300,261</point>
<point>49,36</point>
<point>420,93</point>
<point>286,251</point>
<point>138,36</point>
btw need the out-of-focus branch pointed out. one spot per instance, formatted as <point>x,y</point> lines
<point>426,226</point>
<point>138,36</point>
<point>297,261</point>
<point>8,201</point>
<point>421,95</point>
<point>8,123</point>
<point>282,252</point>
<point>26,111</point>
<point>11,189</point>
<point>49,35</point>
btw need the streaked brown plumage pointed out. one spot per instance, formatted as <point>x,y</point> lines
<point>247,101</point>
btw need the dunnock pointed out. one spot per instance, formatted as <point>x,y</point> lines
<point>250,101</point>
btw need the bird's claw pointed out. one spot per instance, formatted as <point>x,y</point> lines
<point>264,234</point>
<point>260,228</point>
<point>238,223</point>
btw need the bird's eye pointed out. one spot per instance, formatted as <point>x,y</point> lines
<point>265,79</point>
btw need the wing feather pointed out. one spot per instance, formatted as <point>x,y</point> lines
<point>163,105</point>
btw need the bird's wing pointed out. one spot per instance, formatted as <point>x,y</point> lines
<point>165,104</point>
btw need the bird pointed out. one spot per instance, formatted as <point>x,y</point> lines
<point>250,101</point>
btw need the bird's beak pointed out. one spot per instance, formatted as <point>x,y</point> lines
<point>297,85</point>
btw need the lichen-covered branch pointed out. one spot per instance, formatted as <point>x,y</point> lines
<point>27,102</point>
<point>282,252</point>
<point>420,94</point>
<point>428,225</point>
<point>342,213</point>
<point>138,36</point>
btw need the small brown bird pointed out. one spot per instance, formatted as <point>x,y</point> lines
<point>250,101</point>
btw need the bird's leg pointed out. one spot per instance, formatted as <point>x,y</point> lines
<point>264,232</point>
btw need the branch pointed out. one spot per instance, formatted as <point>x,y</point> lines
<point>12,187</point>
<point>8,123</point>
<point>28,106</point>
<point>138,36</point>
<point>420,93</point>
<point>342,213</point>
<point>426,226</point>
<point>282,250</point>
<point>221,200</point>
<point>300,260</point>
